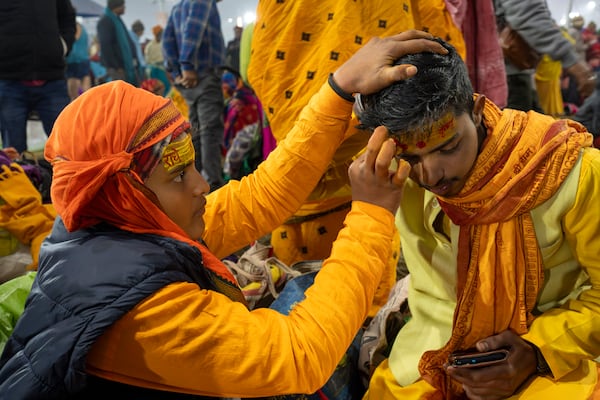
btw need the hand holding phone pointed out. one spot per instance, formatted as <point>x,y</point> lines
<point>515,364</point>
<point>472,358</point>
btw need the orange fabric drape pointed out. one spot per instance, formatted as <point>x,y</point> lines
<point>499,264</point>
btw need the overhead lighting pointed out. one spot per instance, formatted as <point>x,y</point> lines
<point>591,5</point>
<point>249,17</point>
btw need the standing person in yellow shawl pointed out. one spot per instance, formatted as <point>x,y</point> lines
<point>129,302</point>
<point>548,82</point>
<point>500,231</point>
<point>295,46</point>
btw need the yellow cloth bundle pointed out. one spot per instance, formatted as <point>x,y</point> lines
<point>23,213</point>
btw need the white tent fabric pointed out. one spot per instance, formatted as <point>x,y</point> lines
<point>87,8</point>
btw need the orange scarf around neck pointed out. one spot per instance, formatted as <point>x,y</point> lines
<point>524,160</point>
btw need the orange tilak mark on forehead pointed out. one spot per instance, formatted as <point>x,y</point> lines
<point>444,125</point>
<point>177,153</point>
<point>439,131</point>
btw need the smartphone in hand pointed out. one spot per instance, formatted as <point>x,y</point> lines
<point>472,358</point>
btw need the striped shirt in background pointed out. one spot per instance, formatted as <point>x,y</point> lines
<point>193,39</point>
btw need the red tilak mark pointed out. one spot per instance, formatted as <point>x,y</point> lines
<point>403,147</point>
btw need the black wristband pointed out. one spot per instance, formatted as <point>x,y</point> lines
<point>338,90</point>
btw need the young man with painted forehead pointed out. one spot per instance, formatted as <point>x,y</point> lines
<point>500,230</point>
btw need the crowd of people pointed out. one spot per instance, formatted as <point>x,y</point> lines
<point>443,195</point>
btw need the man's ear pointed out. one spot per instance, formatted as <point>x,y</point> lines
<point>478,109</point>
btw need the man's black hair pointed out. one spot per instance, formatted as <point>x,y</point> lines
<point>441,85</point>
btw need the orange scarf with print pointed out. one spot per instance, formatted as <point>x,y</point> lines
<point>524,160</point>
<point>91,149</point>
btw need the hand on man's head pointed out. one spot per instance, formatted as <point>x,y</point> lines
<point>372,67</point>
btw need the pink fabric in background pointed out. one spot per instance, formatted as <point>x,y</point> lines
<point>485,61</point>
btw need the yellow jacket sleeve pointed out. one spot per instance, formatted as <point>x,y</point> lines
<point>197,341</point>
<point>569,334</point>
<point>244,210</point>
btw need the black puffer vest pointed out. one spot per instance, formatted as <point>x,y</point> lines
<point>86,281</point>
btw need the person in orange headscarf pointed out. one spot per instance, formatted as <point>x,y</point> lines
<point>500,231</point>
<point>153,50</point>
<point>131,298</point>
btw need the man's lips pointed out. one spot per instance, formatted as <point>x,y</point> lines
<point>441,189</point>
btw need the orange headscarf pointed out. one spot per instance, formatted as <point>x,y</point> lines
<point>500,270</point>
<point>91,148</point>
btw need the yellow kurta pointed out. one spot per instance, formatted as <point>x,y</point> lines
<point>197,341</point>
<point>568,231</point>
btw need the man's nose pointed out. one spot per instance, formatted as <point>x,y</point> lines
<point>430,171</point>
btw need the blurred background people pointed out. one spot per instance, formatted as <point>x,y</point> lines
<point>98,71</point>
<point>32,65</point>
<point>575,30</point>
<point>117,51</point>
<point>548,82</point>
<point>244,146</point>
<point>78,64</point>
<point>194,51</point>
<point>136,33</point>
<point>153,50</point>
<point>590,37</point>
<point>232,52</point>
<point>155,65</point>
<point>533,22</point>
